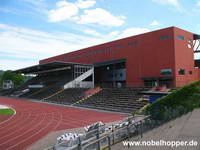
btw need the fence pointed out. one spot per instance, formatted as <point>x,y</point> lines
<point>99,139</point>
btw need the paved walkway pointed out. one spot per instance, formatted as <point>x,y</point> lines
<point>185,128</point>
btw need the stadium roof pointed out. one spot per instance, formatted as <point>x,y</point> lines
<point>196,36</point>
<point>109,62</point>
<point>48,67</point>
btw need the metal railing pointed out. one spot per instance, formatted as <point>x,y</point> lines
<point>99,139</point>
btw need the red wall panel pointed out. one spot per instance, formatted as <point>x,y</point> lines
<point>184,58</point>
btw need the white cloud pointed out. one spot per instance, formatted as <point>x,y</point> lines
<point>174,3</point>
<point>155,23</point>
<point>85,3</point>
<point>7,64</point>
<point>132,31</point>
<point>101,17</point>
<point>71,11</point>
<point>114,33</point>
<point>68,10</point>
<point>91,32</point>
<point>20,44</point>
<point>65,10</point>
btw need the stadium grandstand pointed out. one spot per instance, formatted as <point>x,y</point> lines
<point>111,76</point>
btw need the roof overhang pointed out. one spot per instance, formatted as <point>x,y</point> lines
<point>48,67</point>
<point>99,64</point>
<point>196,36</point>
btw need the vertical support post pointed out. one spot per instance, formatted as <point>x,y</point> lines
<point>137,130</point>
<point>75,71</point>
<point>141,129</point>
<point>98,143</point>
<point>129,120</point>
<point>109,143</point>
<point>72,73</point>
<point>93,77</point>
<point>128,133</point>
<point>151,122</point>
<point>79,143</point>
<point>114,79</point>
<point>113,135</point>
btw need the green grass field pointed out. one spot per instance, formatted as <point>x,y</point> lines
<point>7,111</point>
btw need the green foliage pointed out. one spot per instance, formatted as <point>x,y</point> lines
<point>179,102</point>
<point>1,74</point>
<point>6,111</point>
<point>17,79</point>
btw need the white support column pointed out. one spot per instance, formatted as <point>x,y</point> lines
<point>93,77</point>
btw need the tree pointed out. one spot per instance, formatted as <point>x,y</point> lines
<point>17,79</point>
<point>1,74</point>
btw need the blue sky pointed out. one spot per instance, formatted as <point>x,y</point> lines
<point>31,30</point>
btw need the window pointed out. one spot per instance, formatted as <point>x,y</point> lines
<point>108,48</point>
<point>190,72</point>
<point>149,83</point>
<point>119,46</point>
<point>134,43</point>
<point>164,37</point>
<point>166,71</point>
<point>181,71</point>
<point>180,37</point>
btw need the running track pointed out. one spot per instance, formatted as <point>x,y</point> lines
<point>35,120</point>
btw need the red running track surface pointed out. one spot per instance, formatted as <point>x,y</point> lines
<point>34,120</point>
<point>4,118</point>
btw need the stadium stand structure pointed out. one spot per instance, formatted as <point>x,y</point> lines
<point>67,96</point>
<point>6,92</point>
<point>42,85</point>
<point>115,99</point>
<point>52,84</point>
<point>52,78</point>
<point>74,85</point>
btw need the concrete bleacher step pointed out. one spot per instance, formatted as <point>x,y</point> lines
<point>126,99</point>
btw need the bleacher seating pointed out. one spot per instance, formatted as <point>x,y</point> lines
<point>68,96</point>
<point>31,91</point>
<point>116,99</point>
<point>51,83</point>
<point>44,92</point>
<point>6,92</point>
